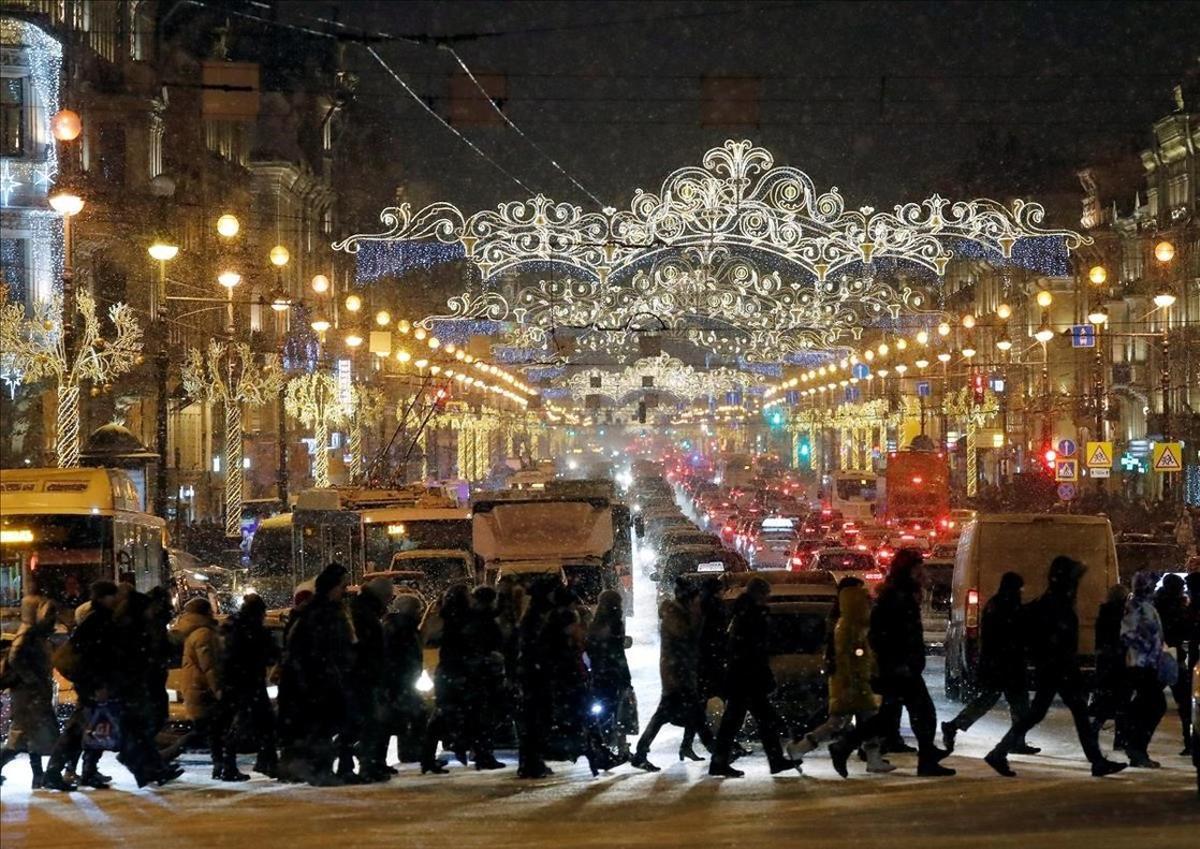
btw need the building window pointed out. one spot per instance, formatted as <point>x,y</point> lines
<point>156,146</point>
<point>14,268</point>
<point>112,154</point>
<point>12,116</point>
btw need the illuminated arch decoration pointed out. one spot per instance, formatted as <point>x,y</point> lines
<point>663,375</point>
<point>737,199</point>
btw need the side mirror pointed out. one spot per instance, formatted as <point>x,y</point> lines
<point>654,576</point>
<point>629,642</point>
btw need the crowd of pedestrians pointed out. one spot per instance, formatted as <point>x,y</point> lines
<point>530,661</point>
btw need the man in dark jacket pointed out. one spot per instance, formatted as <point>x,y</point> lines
<point>248,651</point>
<point>1053,626</point>
<point>363,730</point>
<point>1110,700</point>
<point>680,702</point>
<point>92,651</point>
<point>404,662</point>
<point>533,675</point>
<point>1172,606</point>
<point>1001,664</point>
<point>316,675</point>
<point>485,668</point>
<point>898,640</point>
<point>748,684</point>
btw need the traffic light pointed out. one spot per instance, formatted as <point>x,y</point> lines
<point>440,397</point>
<point>1049,457</point>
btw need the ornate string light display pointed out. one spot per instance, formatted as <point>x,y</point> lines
<point>744,258</point>
<point>36,348</point>
<point>312,400</point>
<point>232,375</point>
<point>738,197</point>
<point>662,374</point>
<point>367,406</point>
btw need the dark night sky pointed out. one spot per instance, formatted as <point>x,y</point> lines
<point>888,101</point>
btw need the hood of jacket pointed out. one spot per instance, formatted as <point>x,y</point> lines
<point>189,623</point>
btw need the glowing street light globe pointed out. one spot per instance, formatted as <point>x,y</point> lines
<point>943,329</point>
<point>1044,334</point>
<point>1044,299</point>
<point>901,344</point>
<point>228,226</point>
<point>353,339</point>
<point>229,279</point>
<point>383,318</point>
<point>163,251</point>
<point>968,321</point>
<point>1164,299</point>
<point>922,363</point>
<point>1003,311</point>
<point>353,303</point>
<point>922,337</point>
<point>1098,274</point>
<point>1004,343</point>
<point>66,202</point>
<point>1098,316</point>
<point>280,302</point>
<point>1164,251</point>
<point>279,256</point>
<point>66,125</point>
<point>944,357</point>
<point>320,324</point>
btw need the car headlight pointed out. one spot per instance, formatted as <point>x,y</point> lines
<point>424,683</point>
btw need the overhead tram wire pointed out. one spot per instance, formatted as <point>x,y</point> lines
<point>514,127</point>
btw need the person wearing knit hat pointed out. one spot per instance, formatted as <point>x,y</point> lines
<point>34,727</point>
<point>333,577</point>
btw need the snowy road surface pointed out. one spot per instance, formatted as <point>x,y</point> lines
<point>1053,803</point>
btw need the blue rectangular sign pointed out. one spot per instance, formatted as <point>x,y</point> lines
<point>1083,336</point>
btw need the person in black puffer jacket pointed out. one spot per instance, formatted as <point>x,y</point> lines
<point>898,641</point>
<point>404,707</point>
<point>249,651</point>
<point>364,729</point>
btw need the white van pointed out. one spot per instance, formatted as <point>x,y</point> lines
<point>1024,543</point>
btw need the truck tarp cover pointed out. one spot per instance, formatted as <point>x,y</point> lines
<point>543,530</point>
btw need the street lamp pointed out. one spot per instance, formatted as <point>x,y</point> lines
<point>228,226</point>
<point>66,202</point>
<point>1044,299</point>
<point>1044,334</point>
<point>320,324</point>
<point>1004,343</point>
<point>1003,311</point>
<point>320,284</point>
<point>279,301</point>
<point>162,251</point>
<point>353,339</point>
<point>1098,274</point>
<point>229,279</point>
<point>1098,316</point>
<point>65,125</point>
<point>1164,251</point>
<point>1165,299</point>
<point>353,303</point>
<point>279,256</point>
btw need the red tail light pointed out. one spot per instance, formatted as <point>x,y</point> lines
<point>972,621</point>
<point>797,564</point>
<point>873,576</point>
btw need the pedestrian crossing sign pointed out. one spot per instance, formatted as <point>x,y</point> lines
<point>1099,455</point>
<point>1066,469</point>
<point>1167,457</point>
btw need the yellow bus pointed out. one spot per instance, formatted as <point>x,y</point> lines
<point>69,527</point>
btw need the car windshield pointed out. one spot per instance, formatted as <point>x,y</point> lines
<point>795,633</point>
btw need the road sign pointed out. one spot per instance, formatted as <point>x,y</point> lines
<point>1083,336</point>
<point>1066,469</point>
<point>1099,455</point>
<point>1066,491</point>
<point>923,389</point>
<point>861,370</point>
<point>1100,473</point>
<point>1066,447</point>
<point>1167,457</point>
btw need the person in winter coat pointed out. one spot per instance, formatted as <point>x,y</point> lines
<point>851,698</point>
<point>680,702</point>
<point>159,614</point>
<point>1172,605</point>
<point>1001,664</point>
<point>248,652</point>
<point>1191,638</point>
<point>34,728</point>
<point>1143,637</point>
<point>714,628</point>
<point>452,683</point>
<point>898,640</point>
<point>363,730</point>
<point>139,673</point>
<point>403,664</point>
<point>92,662</point>
<point>315,676</point>
<point>197,630</point>
<point>485,672</point>
<point>748,685</point>
<point>1052,625</point>
<point>534,680</point>
<point>613,698</point>
<point>1110,700</point>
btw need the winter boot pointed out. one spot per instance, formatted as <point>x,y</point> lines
<point>949,732</point>
<point>687,753</point>
<point>997,761</point>
<point>1102,768</point>
<point>35,766</point>
<point>1140,760</point>
<point>229,769</point>
<point>839,753</point>
<point>876,762</point>
<point>53,780</point>
<point>724,771</point>
<point>640,761</point>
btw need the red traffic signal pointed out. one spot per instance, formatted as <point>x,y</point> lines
<point>1050,456</point>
